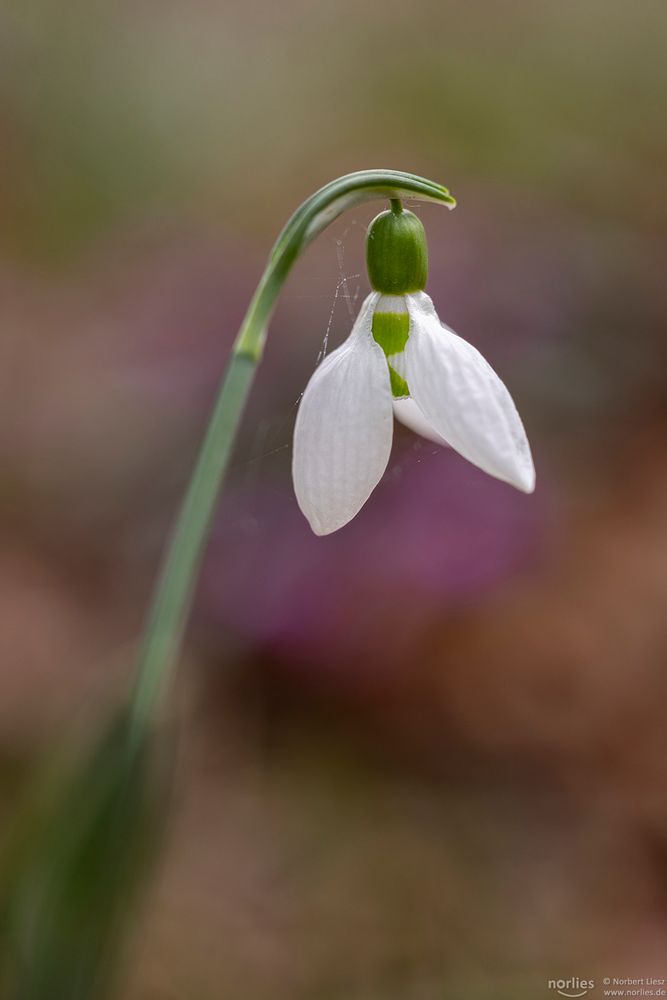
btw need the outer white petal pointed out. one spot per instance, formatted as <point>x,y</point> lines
<point>462,397</point>
<point>343,431</point>
<point>409,414</point>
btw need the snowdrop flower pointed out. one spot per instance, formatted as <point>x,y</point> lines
<point>399,360</point>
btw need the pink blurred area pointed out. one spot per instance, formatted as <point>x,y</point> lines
<point>425,756</point>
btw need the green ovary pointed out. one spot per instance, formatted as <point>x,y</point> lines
<point>391,332</point>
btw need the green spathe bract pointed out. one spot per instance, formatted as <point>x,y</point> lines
<point>396,252</point>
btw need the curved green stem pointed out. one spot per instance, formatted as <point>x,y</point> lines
<point>174,590</point>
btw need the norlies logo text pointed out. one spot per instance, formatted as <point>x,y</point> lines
<point>572,987</point>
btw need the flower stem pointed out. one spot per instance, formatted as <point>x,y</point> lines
<point>174,593</point>
<point>175,587</point>
<point>176,584</point>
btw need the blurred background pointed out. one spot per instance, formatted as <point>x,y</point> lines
<point>426,756</point>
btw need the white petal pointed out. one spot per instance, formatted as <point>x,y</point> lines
<point>462,397</point>
<point>395,304</point>
<point>409,414</point>
<point>343,431</point>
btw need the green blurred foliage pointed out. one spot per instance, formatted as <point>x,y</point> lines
<point>73,867</point>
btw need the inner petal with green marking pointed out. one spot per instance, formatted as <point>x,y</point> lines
<point>391,329</point>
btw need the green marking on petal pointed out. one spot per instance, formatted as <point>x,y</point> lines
<point>399,386</point>
<point>391,332</point>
